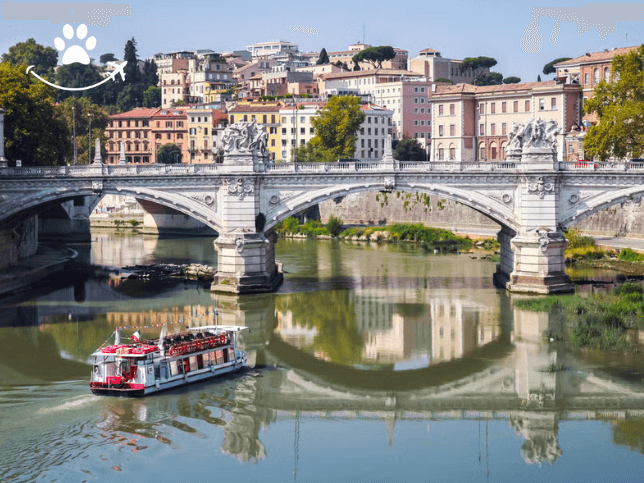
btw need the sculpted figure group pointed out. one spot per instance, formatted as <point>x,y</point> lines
<point>533,133</point>
<point>244,137</point>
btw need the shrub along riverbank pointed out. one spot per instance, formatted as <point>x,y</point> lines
<point>583,250</point>
<point>416,233</point>
<point>600,321</point>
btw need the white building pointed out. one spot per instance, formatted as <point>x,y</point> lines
<point>264,49</point>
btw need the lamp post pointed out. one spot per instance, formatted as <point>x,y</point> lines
<point>89,116</point>
<point>74,122</point>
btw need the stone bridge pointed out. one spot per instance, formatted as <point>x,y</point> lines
<point>532,196</point>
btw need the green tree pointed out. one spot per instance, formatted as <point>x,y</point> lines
<point>150,75</point>
<point>32,53</point>
<point>512,80</point>
<point>105,58</point>
<point>79,117</point>
<point>409,150</point>
<point>375,55</point>
<point>443,79</point>
<point>619,106</point>
<point>335,225</point>
<point>336,127</point>
<point>34,130</point>
<point>477,65</point>
<point>538,78</point>
<point>130,97</point>
<point>152,97</point>
<point>132,73</point>
<point>356,66</point>
<point>549,68</point>
<point>491,79</point>
<point>169,154</point>
<point>323,57</point>
<point>79,75</point>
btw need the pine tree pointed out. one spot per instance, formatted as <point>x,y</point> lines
<point>323,58</point>
<point>132,74</point>
<point>539,78</point>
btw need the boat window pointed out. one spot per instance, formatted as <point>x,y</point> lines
<point>186,365</point>
<point>193,363</point>
<point>175,368</point>
<point>220,357</point>
<point>200,362</point>
<point>231,355</point>
<point>213,358</point>
<point>206,359</point>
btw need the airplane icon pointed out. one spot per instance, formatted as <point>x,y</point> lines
<point>118,69</point>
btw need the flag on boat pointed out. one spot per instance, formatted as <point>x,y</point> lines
<point>136,336</point>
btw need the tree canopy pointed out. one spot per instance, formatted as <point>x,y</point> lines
<point>477,65</point>
<point>491,79</point>
<point>34,130</point>
<point>169,154</point>
<point>512,80</point>
<point>335,131</point>
<point>79,117</point>
<point>323,57</point>
<point>152,97</point>
<point>105,58</point>
<point>549,68</point>
<point>32,53</point>
<point>444,79</point>
<point>409,150</point>
<point>375,55</point>
<point>619,106</point>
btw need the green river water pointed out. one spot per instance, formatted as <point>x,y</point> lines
<point>371,363</point>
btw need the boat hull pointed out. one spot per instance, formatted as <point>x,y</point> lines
<point>101,389</point>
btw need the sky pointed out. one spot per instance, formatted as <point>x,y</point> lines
<point>458,29</point>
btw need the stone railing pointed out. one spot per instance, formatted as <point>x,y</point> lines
<point>401,166</point>
<point>600,166</point>
<point>109,170</point>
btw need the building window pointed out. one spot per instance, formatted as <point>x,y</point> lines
<point>596,76</point>
<point>504,107</point>
<point>527,106</point>
<point>422,123</point>
<point>492,129</point>
<point>493,152</point>
<point>451,130</point>
<point>482,130</point>
<point>585,78</point>
<point>493,108</point>
<point>482,153</point>
<point>440,130</point>
<point>553,103</point>
<point>415,110</point>
<point>515,106</point>
<point>452,154</point>
<point>542,103</point>
<point>441,154</point>
<point>504,127</point>
<point>606,74</point>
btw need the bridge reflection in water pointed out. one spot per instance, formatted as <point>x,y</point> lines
<point>431,356</point>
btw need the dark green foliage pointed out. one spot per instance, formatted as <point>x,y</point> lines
<point>132,73</point>
<point>538,78</point>
<point>630,256</point>
<point>477,65</point>
<point>334,225</point>
<point>511,80</point>
<point>375,55</point>
<point>549,68</point>
<point>443,79</point>
<point>44,59</point>
<point>105,58</point>
<point>409,150</point>
<point>152,97</point>
<point>169,154</point>
<point>491,79</point>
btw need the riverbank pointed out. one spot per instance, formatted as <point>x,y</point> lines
<point>602,321</point>
<point>21,276</point>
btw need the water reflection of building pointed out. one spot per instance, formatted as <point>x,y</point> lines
<point>193,315</point>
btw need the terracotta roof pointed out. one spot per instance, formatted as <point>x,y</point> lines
<point>170,112</point>
<point>428,50</point>
<point>218,115</point>
<point>255,77</point>
<point>370,72</point>
<point>597,56</point>
<point>136,113</point>
<point>471,89</point>
<point>254,108</point>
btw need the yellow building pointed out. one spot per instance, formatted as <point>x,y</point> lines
<point>267,115</point>
<point>201,129</point>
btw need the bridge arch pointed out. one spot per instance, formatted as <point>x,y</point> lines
<point>582,209</point>
<point>33,203</point>
<point>489,207</point>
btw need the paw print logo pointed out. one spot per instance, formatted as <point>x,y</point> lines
<point>75,53</point>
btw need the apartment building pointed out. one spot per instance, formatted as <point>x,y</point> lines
<point>431,65</point>
<point>266,49</point>
<point>200,132</point>
<point>471,123</point>
<point>297,129</point>
<point>266,114</point>
<point>399,62</point>
<point>134,128</point>
<point>170,126</point>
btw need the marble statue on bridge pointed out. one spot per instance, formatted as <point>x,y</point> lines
<point>532,134</point>
<point>245,137</point>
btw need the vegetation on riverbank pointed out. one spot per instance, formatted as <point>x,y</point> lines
<point>583,250</point>
<point>417,233</point>
<point>600,321</point>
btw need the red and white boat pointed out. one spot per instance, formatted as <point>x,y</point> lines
<point>150,366</point>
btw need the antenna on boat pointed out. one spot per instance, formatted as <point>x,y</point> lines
<point>117,337</point>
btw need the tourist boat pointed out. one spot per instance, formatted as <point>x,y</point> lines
<point>148,366</point>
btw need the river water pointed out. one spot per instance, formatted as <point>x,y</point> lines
<point>371,363</point>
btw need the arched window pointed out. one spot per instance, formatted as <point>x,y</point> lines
<point>596,76</point>
<point>482,156</point>
<point>452,152</point>
<point>493,151</point>
<point>606,74</point>
<point>502,152</point>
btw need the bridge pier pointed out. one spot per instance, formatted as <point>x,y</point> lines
<point>506,256</point>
